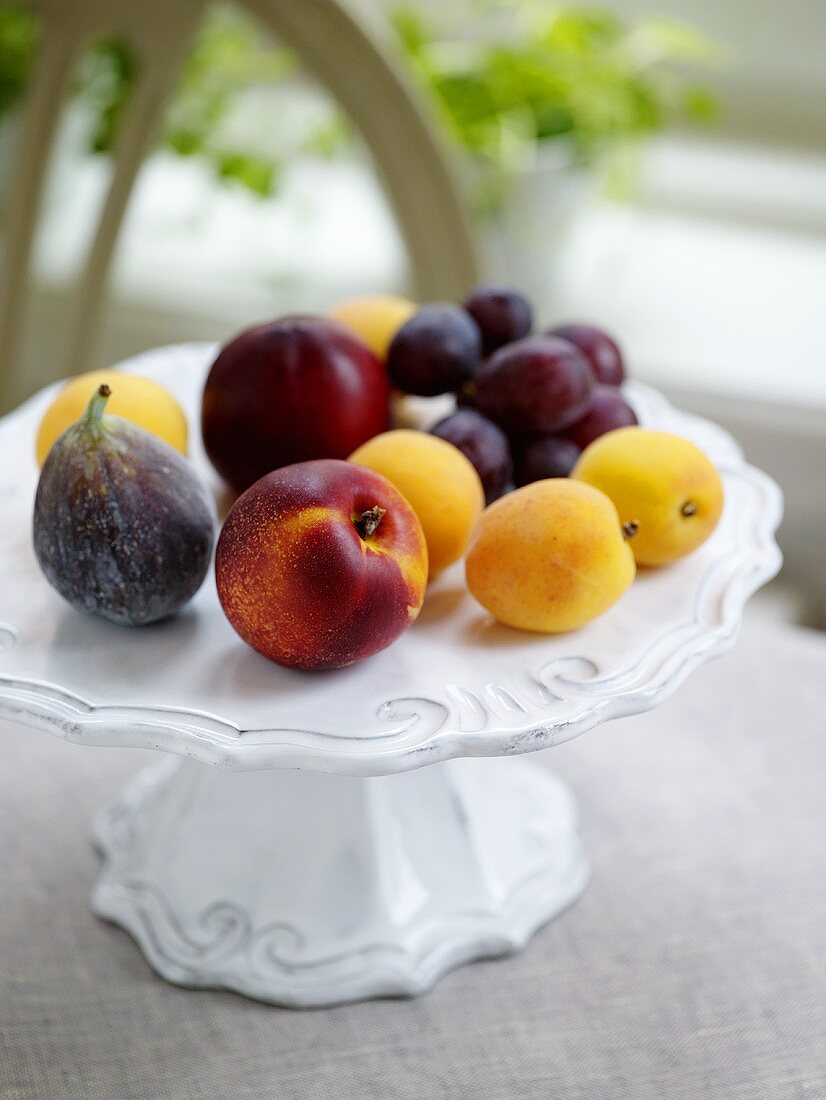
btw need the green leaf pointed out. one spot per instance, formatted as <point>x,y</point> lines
<point>19,35</point>
<point>256,174</point>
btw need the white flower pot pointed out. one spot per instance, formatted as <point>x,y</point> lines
<point>524,236</point>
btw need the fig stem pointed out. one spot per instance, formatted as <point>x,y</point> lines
<point>688,509</point>
<point>367,523</point>
<point>630,529</point>
<point>92,420</point>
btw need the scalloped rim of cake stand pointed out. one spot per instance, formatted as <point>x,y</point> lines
<point>418,734</point>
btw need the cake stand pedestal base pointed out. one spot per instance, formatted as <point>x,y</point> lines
<point>301,888</point>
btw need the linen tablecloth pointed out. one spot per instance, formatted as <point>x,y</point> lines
<point>693,966</point>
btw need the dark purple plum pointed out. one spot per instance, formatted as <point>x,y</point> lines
<point>484,444</point>
<point>123,527</point>
<point>545,456</point>
<point>436,351</point>
<point>601,351</point>
<point>608,410</point>
<point>502,314</point>
<point>535,386</point>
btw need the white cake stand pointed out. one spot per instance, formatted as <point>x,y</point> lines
<point>313,838</point>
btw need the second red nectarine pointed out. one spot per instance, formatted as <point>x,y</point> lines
<point>297,389</point>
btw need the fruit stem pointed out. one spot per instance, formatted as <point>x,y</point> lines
<point>630,529</point>
<point>688,509</point>
<point>468,391</point>
<point>92,420</point>
<point>367,523</point>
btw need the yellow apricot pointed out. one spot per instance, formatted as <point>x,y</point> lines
<point>437,480</point>
<point>549,557</point>
<point>662,483</point>
<point>376,319</point>
<point>137,399</point>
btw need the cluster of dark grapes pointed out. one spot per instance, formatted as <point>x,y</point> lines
<point>528,404</point>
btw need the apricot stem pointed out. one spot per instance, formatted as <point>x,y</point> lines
<point>688,509</point>
<point>630,529</point>
<point>367,523</point>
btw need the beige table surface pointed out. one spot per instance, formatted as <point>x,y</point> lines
<point>693,966</point>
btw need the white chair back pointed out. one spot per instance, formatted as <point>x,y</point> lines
<point>343,43</point>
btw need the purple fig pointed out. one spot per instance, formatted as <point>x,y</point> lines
<point>123,527</point>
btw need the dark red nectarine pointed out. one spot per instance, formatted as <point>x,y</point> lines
<point>321,564</point>
<point>297,389</point>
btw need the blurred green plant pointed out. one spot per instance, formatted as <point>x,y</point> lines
<point>535,73</point>
<point>18,41</point>
<point>230,55</point>
<point>506,79</point>
<point>570,72</point>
